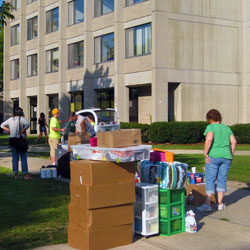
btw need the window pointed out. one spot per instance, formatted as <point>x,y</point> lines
<point>104,48</point>
<point>14,69</point>
<point>52,20</point>
<point>76,103</point>
<point>105,98</point>
<point>52,60</point>
<point>30,1</point>
<point>32,65</point>
<point>131,2</point>
<point>32,26</point>
<point>138,40</point>
<point>15,30</point>
<point>76,11</point>
<point>103,7</point>
<point>15,4</point>
<point>75,55</point>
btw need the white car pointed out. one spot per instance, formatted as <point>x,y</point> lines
<point>104,119</point>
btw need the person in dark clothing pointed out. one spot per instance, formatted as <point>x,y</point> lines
<point>70,126</point>
<point>43,124</point>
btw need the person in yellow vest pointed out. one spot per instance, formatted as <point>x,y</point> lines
<point>55,133</point>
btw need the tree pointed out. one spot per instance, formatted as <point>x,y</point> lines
<point>5,10</point>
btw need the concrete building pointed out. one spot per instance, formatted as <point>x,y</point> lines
<point>154,60</point>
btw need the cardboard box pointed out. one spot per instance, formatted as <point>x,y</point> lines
<point>101,218</point>
<point>100,239</point>
<point>77,138</point>
<point>119,138</point>
<point>101,196</point>
<point>90,173</point>
<point>196,194</point>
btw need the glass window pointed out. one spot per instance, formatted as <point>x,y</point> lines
<point>103,7</point>
<point>139,40</point>
<point>75,55</point>
<point>52,20</point>
<point>76,11</point>
<point>76,103</point>
<point>105,98</point>
<point>131,2</point>
<point>15,4</point>
<point>32,26</point>
<point>32,65</point>
<point>15,31</point>
<point>30,1</point>
<point>14,69</point>
<point>104,48</point>
<point>52,60</point>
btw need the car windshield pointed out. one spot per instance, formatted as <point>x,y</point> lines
<point>106,116</point>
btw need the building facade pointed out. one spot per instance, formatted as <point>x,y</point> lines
<point>153,60</point>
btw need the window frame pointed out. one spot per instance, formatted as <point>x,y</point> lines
<point>51,60</point>
<point>97,14</point>
<point>128,5</point>
<point>134,41</point>
<point>15,4</point>
<point>74,13</point>
<point>32,28</point>
<point>51,12</point>
<point>17,37</point>
<point>101,48</point>
<point>31,1</point>
<point>16,69</point>
<point>74,44</point>
<point>31,64</point>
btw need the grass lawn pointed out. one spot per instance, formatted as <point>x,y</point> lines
<point>198,146</point>
<point>239,171</point>
<point>33,213</point>
<point>43,155</point>
<point>4,140</point>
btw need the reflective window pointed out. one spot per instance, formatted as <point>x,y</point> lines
<point>14,69</point>
<point>52,60</point>
<point>104,48</point>
<point>15,33</point>
<point>76,11</point>
<point>52,20</point>
<point>32,65</point>
<point>103,7</point>
<point>75,55</point>
<point>32,28</point>
<point>15,4</point>
<point>131,2</point>
<point>30,1</point>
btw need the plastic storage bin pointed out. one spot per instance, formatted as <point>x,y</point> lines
<point>129,154</point>
<point>146,209</point>
<point>172,211</point>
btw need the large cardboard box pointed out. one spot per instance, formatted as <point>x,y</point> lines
<point>119,138</point>
<point>101,196</point>
<point>77,138</point>
<point>90,173</point>
<point>100,239</point>
<point>101,218</point>
<point>196,194</point>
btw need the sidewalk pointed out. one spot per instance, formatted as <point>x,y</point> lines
<point>224,230</point>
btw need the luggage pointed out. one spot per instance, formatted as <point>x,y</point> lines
<point>63,168</point>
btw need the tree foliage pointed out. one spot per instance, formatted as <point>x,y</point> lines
<point>5,13</point>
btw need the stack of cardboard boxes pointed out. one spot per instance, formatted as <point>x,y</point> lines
<point>101,208</point>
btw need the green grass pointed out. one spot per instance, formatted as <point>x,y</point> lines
<point>224,219</point>
<point>4,140</point>
<point>198,146</point>
<point>239,170</point>
<point>43,155</point>
<point>33,213</point>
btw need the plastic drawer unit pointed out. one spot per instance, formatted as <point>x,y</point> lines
<point>146,209</point>
<point>172,211</point>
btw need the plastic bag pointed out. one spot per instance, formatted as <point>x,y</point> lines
<point>191,225</point>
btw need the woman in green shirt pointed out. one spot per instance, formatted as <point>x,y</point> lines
<point>219,149</point>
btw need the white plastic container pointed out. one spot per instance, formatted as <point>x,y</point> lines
<point>48,173</point>
<point>129,154</point>
<point>146,209</point>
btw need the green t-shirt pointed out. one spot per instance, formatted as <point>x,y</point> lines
<point>54,123</point>
<point>221,147</point>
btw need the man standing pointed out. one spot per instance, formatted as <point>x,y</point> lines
<point>83,125</point>
<point>55,134</point>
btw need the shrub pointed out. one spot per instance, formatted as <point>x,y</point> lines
<point>177,132</point>
<point>241,132</point>
<point>144,128</point>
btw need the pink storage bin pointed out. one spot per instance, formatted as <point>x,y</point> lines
<point>93,141</point>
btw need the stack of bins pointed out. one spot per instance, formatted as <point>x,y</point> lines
<point>172,211</point>
<point>101,208</point>
<point>146,209</point>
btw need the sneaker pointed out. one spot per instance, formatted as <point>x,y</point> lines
<point>221,207</point>
<point>204,208</point>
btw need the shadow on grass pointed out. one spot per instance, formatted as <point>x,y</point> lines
<point>33,213</point>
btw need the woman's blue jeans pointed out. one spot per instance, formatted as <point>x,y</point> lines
<point>15,160</point>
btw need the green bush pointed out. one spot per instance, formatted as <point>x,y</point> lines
<point>242,133</point>
<point>177,132</point>
<point>144,129</point>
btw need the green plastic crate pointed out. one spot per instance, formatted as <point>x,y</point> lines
<point>163,212</point>
<point>172,226</point>
<point>168,197</point>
